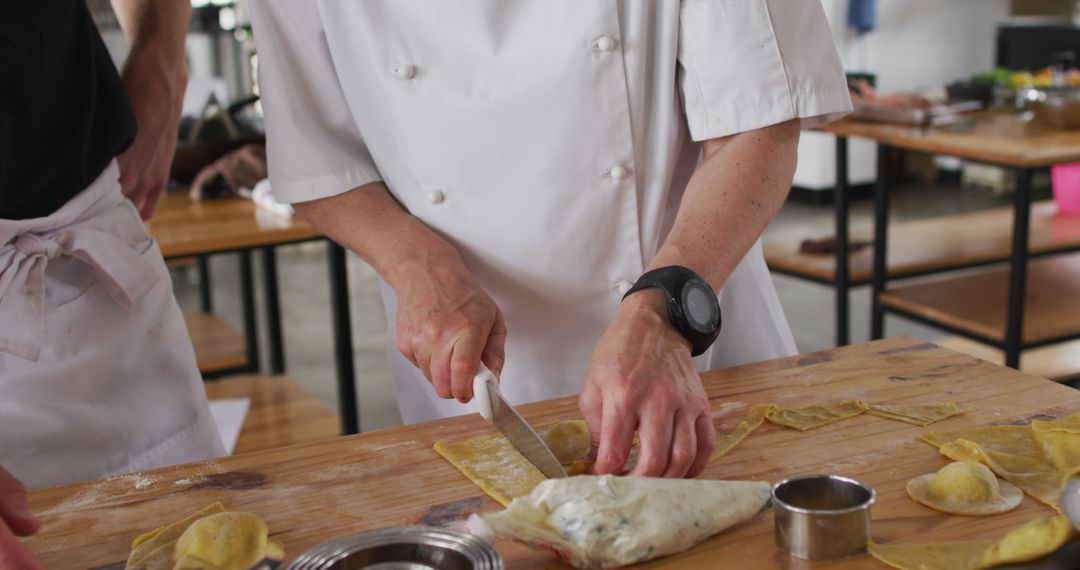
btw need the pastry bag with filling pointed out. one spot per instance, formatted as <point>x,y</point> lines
<point>605,521</point>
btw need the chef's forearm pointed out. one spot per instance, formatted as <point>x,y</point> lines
<point>370,223</point>
<point>157,26</point>
<point>738,188</point>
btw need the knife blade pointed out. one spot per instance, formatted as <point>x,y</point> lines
<point>494,407</point>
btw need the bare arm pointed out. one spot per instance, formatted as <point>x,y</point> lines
<point>446,324</point>
<point>155,75</point>
<point>641,376</point>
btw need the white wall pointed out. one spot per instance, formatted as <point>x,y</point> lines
<point>921,43</point>
<point>918,44</point>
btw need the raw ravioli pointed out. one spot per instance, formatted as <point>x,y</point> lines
<point>918,414</point>
<point>965,488</point>
<point>211,539</point>
<point>1039,459</point>
<point>1033,540</point>
<point>605,521</point>
<point>810,417</point>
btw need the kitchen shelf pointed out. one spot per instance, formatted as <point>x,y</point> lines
<point>927,245</point>
<point>974,302</point>
<point>1058,362</point>
<point>218,346</point>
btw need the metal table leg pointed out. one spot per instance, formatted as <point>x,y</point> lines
<point>206,302</point>
<point>842,278</point>
<point>247,300</point>
<point>339,302</point>
<point>273,311</point>
<point>1014,327</point>
<point>881,233</point>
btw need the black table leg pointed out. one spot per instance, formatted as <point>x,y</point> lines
<point>842,278</point>
<point>1014,327</point>
<point>881,233</point>
<point>247,294</point>
<point>339,302</point>
<point>273,311</point>
<point>206,302</point>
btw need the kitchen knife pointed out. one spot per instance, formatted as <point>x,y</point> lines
<point>522,436</point>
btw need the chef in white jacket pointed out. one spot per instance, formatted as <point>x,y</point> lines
<point>512,169</point>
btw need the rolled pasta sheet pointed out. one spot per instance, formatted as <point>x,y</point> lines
<point>606,522</point>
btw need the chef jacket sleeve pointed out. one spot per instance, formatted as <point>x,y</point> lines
<point>314,149</point>
<point>748,64</point>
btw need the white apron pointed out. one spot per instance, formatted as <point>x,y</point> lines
<point>97,372</point>
<point>550,141</point>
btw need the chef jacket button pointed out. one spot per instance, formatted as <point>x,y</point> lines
<point>436,196</point>
<point>623,286</point>
<point>404,71</point>
<point>604,43</point>
<point>619,173</point>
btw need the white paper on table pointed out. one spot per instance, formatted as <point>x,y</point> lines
<point>229,416</point>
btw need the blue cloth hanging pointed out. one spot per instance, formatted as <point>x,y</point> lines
<point>862,15</point>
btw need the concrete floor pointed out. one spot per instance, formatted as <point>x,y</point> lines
<point>306,309</point>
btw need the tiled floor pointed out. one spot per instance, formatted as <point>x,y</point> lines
<point>306,312</point>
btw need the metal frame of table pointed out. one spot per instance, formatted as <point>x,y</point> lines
<point>1013,344</point>
<point>340,316</point>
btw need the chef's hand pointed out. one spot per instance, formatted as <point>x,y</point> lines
<point>447,325</point>
<point>641,378</point>
<point>15,521</point>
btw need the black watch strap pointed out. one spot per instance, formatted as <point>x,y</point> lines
<point>672,281</point>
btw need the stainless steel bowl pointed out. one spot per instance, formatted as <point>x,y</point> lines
<point>404,548</point>
<point>822,517</point>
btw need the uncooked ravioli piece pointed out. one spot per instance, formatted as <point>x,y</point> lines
<point>965,488</point>
<point>918,414</point>
<point>1039,459</point>
<point>154,549</point>
<point>1034,539</point>
<point>605,521</point>
<point>754,418</point>
<point>811,417</point>
<point>502,472</point>
<point>223,541</point>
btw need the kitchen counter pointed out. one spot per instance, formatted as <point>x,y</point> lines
<point>309,493</point>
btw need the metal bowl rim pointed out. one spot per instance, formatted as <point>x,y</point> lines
<point>865,505</point>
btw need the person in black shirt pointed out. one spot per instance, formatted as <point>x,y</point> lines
<point>96,368</point>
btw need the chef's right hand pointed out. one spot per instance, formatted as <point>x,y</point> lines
<point>15,521</point>
<point>447,325</point>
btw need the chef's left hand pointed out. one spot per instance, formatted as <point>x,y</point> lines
<point>156,91</point>
<point>642,378</point>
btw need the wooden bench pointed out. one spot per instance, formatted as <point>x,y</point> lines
<point>1058,362</point>
<point>281,413</point>
<point>218,346</point>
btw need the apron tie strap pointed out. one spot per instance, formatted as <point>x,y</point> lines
<point>125,275</point>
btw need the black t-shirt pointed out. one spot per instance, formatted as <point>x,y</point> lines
<point>64,113</point>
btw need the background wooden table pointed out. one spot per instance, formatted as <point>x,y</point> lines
<point>185,229</point>
<point>311,493</point>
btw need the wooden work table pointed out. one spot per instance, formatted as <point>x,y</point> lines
<point>313,492</point>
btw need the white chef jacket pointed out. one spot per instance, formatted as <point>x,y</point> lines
<point>550,141</point>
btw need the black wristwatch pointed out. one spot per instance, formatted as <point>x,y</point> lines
<point>691,302</point>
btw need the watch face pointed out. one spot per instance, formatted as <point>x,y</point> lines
<point>699,304</point>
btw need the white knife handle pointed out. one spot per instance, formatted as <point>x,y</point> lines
<point>481,395</point>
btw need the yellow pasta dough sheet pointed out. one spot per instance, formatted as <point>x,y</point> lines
<point>1034,539</point>
<point>502,471</point>
<point>918,414</point>
<point>811,417</point>
<point>211,539</point>
<point>754,418</point>
<point>1039,459</point>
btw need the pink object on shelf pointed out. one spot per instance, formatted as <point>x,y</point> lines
<point>1065,180</point>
